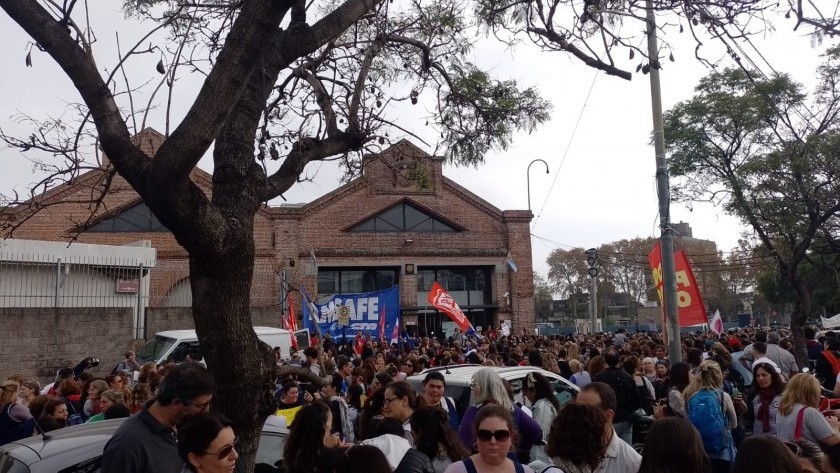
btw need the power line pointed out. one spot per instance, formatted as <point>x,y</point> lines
<point>566,152</point>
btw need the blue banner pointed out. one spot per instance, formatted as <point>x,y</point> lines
<point>363,310</point>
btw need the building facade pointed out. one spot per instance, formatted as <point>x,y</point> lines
<point>401,222</point>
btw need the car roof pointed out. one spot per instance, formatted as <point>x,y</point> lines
<point>179,334</point>
<point>462,374</point>
<point>63,442</point>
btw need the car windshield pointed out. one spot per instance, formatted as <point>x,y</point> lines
<point>11,465</point>
<point>154,349</point>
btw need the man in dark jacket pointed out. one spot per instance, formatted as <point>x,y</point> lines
<point>627,396</point>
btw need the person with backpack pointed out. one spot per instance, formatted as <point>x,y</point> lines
<point>712,412</point>
<point>434,385</point>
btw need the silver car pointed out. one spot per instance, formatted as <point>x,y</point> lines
<point>78,449</point>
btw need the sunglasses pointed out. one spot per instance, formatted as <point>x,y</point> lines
<point>224,452</point>
<point>487,435</point>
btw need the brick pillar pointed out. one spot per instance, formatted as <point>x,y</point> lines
<point>517,226</point>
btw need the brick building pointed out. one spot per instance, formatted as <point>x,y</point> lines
<point>401,222</point>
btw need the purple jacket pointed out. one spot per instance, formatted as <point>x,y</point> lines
<point>530,432</point>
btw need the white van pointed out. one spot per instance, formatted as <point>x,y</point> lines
<point>177,344</point>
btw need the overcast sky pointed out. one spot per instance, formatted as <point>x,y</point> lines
<point>601,184</point>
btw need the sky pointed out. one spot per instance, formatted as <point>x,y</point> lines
<point>600,186</point>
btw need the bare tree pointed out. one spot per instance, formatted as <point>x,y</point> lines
<point>273,100</point>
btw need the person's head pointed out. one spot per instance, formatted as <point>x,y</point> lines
<point>140,394</point>
<point>576,366</point>
<point>602,396</point>
<point>56,410</point>
<point>115,381</point>
<point>494,433</point>
<point>400,400</point>
<point>110,397</point>
<point>659,352</point>
<point>766,378</point>
<point>147,372</point>
<point>37,404</point>
<point>802,389</point>
<point>832,344</point>
<point>306,437</point>
<point>694,356</point>
<point>311,354</point>
<point>332,387</point>
<point>67,387</point>
<point>129,355</point>
<point>344,366</point>
<point>577,435</point>
<point>661,369</point>
<point>380,380</point>
<point>116,411</point>
<point>649,366</point>
<point>760,349</point>
<point>354,396</point>
<point>761,453</point>
<point>487,386</point>
<point>29,389</point>
<point>290,392</point>
<point>538,387</point>
<point>9,392</point>
<point>709,376</point>
<point>773,338</point>
<point>362,459</point>
<point>612,358</point>
<point>680,375</point>
<point>186,390</point>
<point>660,454</point>
<point>596,365</point>
<point>808,454</point>
<point>431,430</point>
<point>434,385</point>
<point>96,388</point>
<point>206,443</point>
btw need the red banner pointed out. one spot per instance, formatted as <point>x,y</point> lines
<point>291,320</point>
<point>441,299</point>
<point>691,309</point>
<point>382,324</point>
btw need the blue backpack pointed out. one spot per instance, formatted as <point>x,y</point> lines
<point>705,411</point>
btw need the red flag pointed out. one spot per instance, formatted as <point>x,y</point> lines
<point>691,309</point>
<point>291,321</point>
<point>441,300</point>
<point>382,324</point>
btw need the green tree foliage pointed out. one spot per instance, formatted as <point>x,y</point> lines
<point>754,148</point>
<point>327,84</point>
<point>543,298</point>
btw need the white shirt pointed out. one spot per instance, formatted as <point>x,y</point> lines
<point>619,457</point>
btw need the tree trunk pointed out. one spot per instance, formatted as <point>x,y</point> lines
<point>243,367</point>
<point>798,320</point>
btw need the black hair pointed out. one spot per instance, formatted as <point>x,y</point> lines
<point>197,433</point>
<point>117,411</point>
<point>434,375</point>
<point>542,387</point>
<point>430,428</point>
<point>660,456</point>
<point>185,382</point>
<point>611,358</point>
<point>385,426</point>
<point>810,332</point>
<point>765,454</point>
<point>680,375</point>
<point>306,438</point>
<point>362,459</point>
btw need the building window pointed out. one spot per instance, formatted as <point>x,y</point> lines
<point>136,219</point>
<point>469,286</point>
<point>355,280</point>
<point>403,218</point>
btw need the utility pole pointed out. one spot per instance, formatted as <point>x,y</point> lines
<point>669,279</point>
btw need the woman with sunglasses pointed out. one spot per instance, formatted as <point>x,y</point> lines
<point>494,436</point>
<point>767,387</point>
<point>206,444</point>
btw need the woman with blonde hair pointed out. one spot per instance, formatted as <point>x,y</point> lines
<point>712,412</point>
<point>798,416</point>
<point>488,388</point>
<point>573,352</point>
<point>580,376</point>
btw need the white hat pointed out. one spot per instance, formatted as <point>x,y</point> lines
<point>770,362</point>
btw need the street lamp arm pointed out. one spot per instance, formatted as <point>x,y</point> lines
<point>528,172</point>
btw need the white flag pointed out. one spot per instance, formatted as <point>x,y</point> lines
<point>716,325</point>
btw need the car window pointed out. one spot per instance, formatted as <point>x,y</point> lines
<point>270,451</point>
<point>92,465</point>
<point>154,349</point>
<point>12,465</point>
<point>564,392</point>
<point>183,349</point>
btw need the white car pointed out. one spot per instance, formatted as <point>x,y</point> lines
<point>458,378</point>
<point>78,449</point>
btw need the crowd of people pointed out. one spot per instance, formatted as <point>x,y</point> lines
<point>350,407</point>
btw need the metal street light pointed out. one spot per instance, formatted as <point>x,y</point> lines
<point>529,179</point>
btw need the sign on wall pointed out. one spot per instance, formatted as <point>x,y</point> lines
<point>356,313</point>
